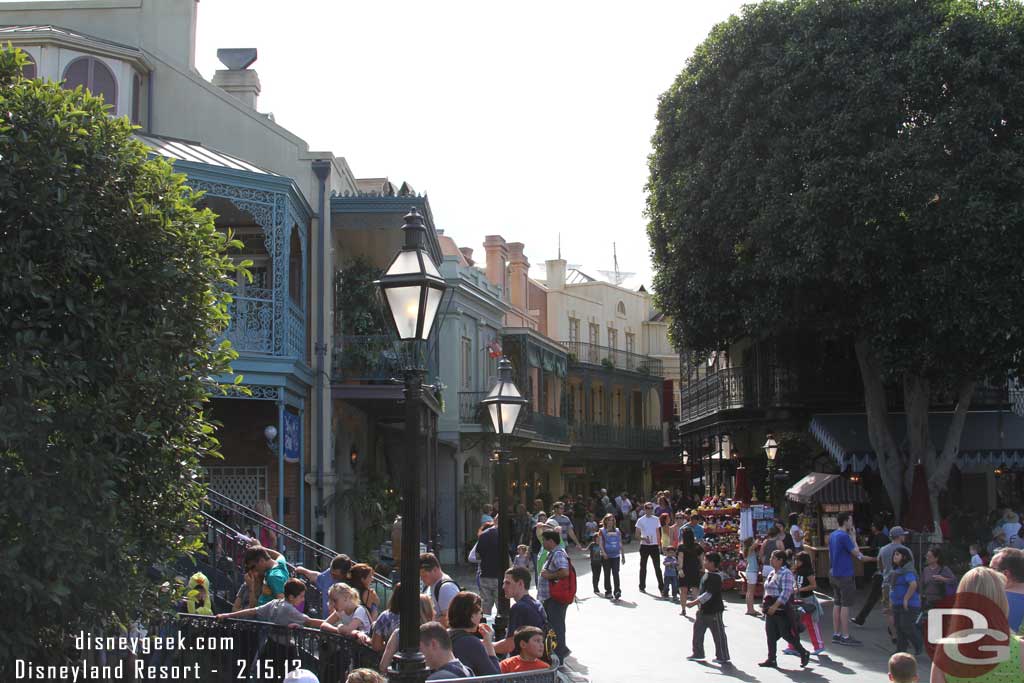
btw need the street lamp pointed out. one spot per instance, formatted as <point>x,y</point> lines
<point>504,405</point>
<point>412,290</point>
<point>771,450</point>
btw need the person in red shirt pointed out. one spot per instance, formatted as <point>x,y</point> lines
<point>529,641</point>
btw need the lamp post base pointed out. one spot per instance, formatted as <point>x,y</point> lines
<point>408,666</point>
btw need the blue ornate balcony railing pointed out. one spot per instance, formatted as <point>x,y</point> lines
<point>251,328</point>
<point>296,343</point>
<point>617,359</point>
<point>614,436</point>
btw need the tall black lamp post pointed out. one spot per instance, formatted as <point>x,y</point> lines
<point>504,406</point>
<point>412,290</point>
<point>771,450</point>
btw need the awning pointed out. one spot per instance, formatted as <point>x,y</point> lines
<point>989,439</point>
<point>818,487</point>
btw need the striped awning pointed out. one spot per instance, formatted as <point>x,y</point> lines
<point>818,487</point>
<point>989,439</point>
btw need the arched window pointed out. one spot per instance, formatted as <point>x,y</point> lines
<point>621,309</point>
<point>30,70</point>
<point>295,268</point>
<point>136,99</point>
<point>94,75</point>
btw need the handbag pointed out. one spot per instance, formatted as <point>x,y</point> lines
<point>474,557</point>
<point>563,591</point>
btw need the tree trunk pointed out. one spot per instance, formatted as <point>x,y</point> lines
<point>891,463</point>
<point>938,470</point>
<point>917,393</point>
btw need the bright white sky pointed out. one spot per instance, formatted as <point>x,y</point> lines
<point>525,119</point>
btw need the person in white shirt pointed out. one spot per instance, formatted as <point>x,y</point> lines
<point>626,525</point>
<point>796,532</point>
<point>647,527</point>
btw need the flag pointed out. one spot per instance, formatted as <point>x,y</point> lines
<point>494,349</point>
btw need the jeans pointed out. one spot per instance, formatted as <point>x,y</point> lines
<point>611,571</point>
<point>488,594</point>
<point>556,621</point>
<point>595,572</point>
<point>873,595</point>
<point>778,626</point>
<point>654,553</point>
<point>906,628</point>
<point>713,623</point>
<point>672,585</point>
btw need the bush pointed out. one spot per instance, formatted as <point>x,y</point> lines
<point>112,296</point>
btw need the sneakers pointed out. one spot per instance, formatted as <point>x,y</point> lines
<point>819,651</point>
<point>849,640</point>
<point>608,594</point>
<point>836,638</point>
<point>790,651</point>
<point>855,620</point>
<point>805,658</point>
<point>618,595</point>
<point>769,664</point>
<point>722,661</point>
<point>694,658</point>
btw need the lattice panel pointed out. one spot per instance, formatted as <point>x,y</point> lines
<point>247,485</point>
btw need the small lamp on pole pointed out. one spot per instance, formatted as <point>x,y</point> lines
<point>412,290</point>
<point>771,451</point>
<point>504,405</point>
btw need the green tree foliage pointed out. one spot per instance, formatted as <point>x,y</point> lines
<point>852,170</point>
<point>112,297</point>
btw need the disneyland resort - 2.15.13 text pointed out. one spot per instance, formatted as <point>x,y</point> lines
<point>28,671</point>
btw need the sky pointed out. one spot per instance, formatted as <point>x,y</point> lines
<point>525,119</point>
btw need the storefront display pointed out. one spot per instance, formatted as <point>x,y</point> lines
<point>823,497</point>
<point>721,535</point>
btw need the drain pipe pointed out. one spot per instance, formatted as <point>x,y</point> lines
<point>322,169</point>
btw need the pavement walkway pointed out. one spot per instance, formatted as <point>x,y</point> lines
<point>642,637</point>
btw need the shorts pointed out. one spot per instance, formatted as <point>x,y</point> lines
<point>844,590</point>
<point>753,577</point>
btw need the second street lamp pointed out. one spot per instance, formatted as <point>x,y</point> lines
<point>504,406</point>
<point>771,451</point>
<point>412,290</point>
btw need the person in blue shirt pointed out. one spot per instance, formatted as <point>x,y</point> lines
<point>842,549</point>
<point>1010,563</point>
<point>906,602</point>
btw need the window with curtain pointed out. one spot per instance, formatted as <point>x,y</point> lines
<point>30,71</point>
<point>95,76</point>
<point>613,338</point>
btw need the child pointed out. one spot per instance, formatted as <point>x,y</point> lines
<point>281,611</point>
<point>522,556</point>
<point>197,596</point>
<point>596,563</point>
<point>529,642</point>
<point>976,560</point>
<point>336,573</point>
<point>806,584</point>
<point>346,610</point>
<point>671,562</point>
<point>751,548</point>
<point>709,615</point>
<point>902,668</point>
<point>591,526</point>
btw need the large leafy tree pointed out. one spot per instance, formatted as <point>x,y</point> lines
<point>853,170</point>
<point>112,296</point>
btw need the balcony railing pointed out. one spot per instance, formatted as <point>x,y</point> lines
<point>615,436</point>
<point>251,325</point>
<point>547,427</point>
<point>470,410</point>
<point>735,388</point>
<point>617,359</point>
<point>296,345</point>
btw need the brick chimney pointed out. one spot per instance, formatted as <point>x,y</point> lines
<point>497,256</point>
<point>467,254</point>
<point>518,272</point>
<point>238,79</point>
<point>555,274</point>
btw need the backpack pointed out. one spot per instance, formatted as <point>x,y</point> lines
<point>563,591</point>
<point>436,590</point>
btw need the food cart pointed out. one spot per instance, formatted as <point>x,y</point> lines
<point>823,496</point>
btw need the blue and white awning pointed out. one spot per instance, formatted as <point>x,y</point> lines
<point>989,439</point>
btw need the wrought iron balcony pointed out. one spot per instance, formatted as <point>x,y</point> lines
<point>253,327</point>
<point>582,353</point>
<point>615,436</point>
<point>470,410</point>
<point>736,388</point>
<point>371,358</point>
<point>546,427</point>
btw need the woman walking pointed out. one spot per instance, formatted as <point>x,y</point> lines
<point>779,590</point>
<point>690,567</point>
<point>751,550</point>
<point>937,579</point>
<point>610,540</point>
<point>906,602</point>
<point>667,537</point>
<point>806,584</point>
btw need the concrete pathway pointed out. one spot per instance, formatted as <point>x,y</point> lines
<point>642,637</point>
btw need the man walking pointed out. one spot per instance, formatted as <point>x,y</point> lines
<point>489,551</point>
<point>880,588</point>
<point>556,567</point>
<point>647,529</point>
<point>626,525</point>
<point>564,523</point>
<point>842,550</point>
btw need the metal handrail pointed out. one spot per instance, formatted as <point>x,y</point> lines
<point>618,359</point>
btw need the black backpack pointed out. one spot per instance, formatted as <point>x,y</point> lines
<point>436,589</point>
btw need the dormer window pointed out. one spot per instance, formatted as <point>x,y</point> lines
<point>621,309</point>
<point>29,71</point>
<point>93,75</point>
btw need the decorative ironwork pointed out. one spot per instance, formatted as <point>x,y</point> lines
<point>259,392</point>
<point>613,359</point>
<point>613,436</point>
<point>469,407</point>
<point>296,332</point>
<point>251,324</point>
<point>247,485</point>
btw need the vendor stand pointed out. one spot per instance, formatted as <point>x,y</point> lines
<point>721,535</point>
<point>755,520</point>
<point>823,497</point>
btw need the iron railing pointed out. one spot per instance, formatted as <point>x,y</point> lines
<point>615,436</point>
<point>470,410</point>
<point>377,357</point>
<point>231,520</point>
<point>735,388</point>
<point>296,329</point>
<point>251,322</point>
<point>548,427</point>
<point>613,359</point>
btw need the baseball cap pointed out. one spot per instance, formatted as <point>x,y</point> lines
<point>897,531</point>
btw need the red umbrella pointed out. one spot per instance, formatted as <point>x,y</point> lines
<point>919,512</point>
<point>742,485</point>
